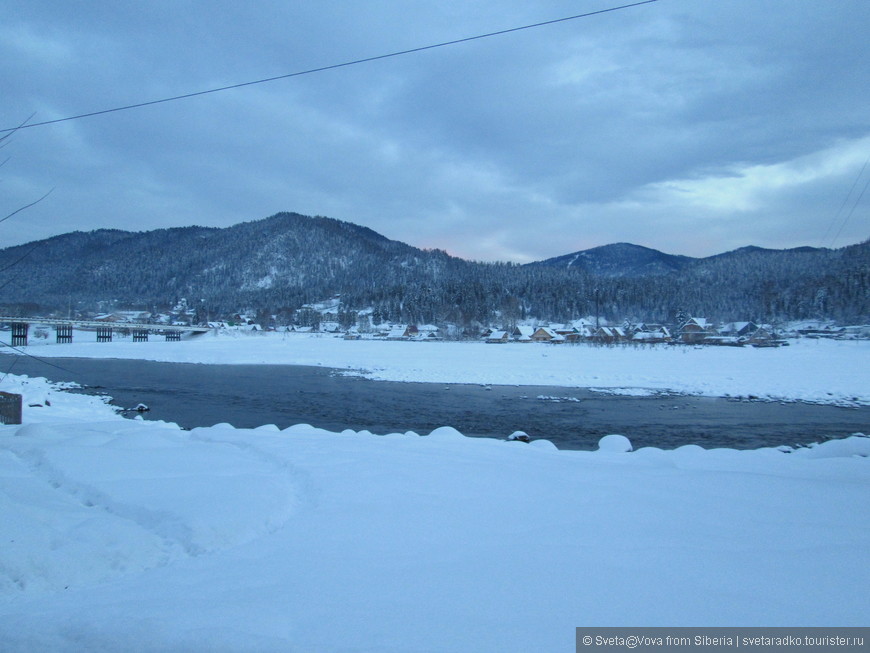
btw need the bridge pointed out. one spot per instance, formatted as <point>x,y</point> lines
<point>64,329</point>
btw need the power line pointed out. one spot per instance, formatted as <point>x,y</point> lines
<point>21,352</point>
<point>332,66</point>
<point>851,211</point>
<point>843,206</point>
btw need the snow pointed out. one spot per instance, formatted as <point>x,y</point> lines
<point>820,371</point>
<point>136,535</point>
<point>615,443</point>
<point>139,536</point>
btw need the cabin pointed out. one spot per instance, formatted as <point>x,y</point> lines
<point>695,330</point>
<point>523,333</point>
<point>761,336</point>
<point>497,337</point>
<point>546,334</point>
<point>583,329</point>
<point>738,329</point>
<point>608,334</point>
<point>652,334</point>
<point>402,332</point>
<point>426,333</point>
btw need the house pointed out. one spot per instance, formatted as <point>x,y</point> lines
<point>426,333</point>
<point>738,329</point>
<point>522,333</point>
<point>608,334</point>
<point>651,334</point>
<point>497,337</point>
<point>584,329</point>
<point>402,332</point>
<point>330,327</point>
<point>545,334</point>
<point>694,330</point>
<point>761,336</point>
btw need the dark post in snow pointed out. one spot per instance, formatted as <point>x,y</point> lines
<point>19,334</point>
<point>104,334</point>
<point>10,408</point>
<point>64,334</point>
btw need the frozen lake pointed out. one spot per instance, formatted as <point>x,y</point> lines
<point>248,395</point>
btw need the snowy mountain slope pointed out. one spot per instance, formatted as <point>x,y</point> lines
<point>280,263</point>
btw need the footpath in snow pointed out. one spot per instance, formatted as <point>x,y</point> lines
<point>822,371</point>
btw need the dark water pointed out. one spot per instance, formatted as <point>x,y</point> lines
<point>252,395</point>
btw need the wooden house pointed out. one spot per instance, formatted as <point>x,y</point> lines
<point>546,334</point>
<point>738,329</point>
<point>608,334</point>
<point>695,330</point>
<point>523,333</point>
<point>497,337</point>
<point>652,334</point>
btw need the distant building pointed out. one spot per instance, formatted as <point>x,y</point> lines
<point>694,330</point>
<point>498,337</point>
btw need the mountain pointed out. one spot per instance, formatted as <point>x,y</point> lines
<point>279,263</point>
<point>620,260</point>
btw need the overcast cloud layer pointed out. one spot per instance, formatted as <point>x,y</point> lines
<point>690,126</point>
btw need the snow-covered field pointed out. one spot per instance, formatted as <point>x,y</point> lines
<point>137,536</point>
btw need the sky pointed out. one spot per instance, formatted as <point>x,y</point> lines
<point>689,126</point>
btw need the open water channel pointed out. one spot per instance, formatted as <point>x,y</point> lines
<point>247,396</point>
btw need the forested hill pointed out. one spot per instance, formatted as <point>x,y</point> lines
<point>620,260</point>
<point>279,263</point>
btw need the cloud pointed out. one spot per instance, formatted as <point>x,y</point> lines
<point>681,125</point>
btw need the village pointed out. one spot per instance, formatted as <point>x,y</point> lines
<point>330,318</point>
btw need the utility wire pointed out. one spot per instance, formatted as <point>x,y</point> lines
<point>21,352</point>
<point>851,211</point>
<point>843,206</point>
<point>27,206</point>
<point>12,130</point>
<point>332,66</point>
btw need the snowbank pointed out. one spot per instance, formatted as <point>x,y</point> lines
<point>138,536</point>
<point>823,371</point>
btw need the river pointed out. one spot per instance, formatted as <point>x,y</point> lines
<point>247,396</point>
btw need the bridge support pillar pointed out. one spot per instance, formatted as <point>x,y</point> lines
<point>104,334</point>
<point>64,334</point>
<point>140,335</point>
<point>19,334</point>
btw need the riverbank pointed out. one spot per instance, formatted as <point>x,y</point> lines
<point>818,371</point>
